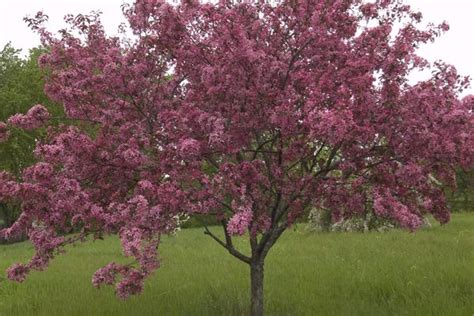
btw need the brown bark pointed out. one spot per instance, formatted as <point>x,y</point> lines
<point>256,292</point>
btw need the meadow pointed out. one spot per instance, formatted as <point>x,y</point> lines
<point>430,272</point>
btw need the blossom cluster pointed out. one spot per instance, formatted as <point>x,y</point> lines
<point>240,222</point>
<point>36,117</point>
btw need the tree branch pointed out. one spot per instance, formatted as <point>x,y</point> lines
<point>227,245</point>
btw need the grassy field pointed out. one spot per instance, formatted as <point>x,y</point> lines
<point>430,272</point>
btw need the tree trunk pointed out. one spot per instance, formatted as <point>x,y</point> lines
<point>256,280</point>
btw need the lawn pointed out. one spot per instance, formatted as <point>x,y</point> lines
<point>430,272</point>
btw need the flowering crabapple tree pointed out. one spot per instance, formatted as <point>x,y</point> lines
<point>251,113</point>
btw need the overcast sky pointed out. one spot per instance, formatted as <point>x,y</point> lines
<point>455,47</point>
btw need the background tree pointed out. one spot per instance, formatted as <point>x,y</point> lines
<point>461,198</point>
<point>21,85</point>
<point>269,111</point>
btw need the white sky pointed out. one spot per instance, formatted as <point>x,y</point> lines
<point>455,47</point>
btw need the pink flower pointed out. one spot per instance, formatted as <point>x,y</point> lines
<point>386,205</point>
<point>133,157</point>
<point>369,10</point>
<point>41,171</point>
<point>239,223</point>
<point>131,240</point>
<point>17,272</point>
<point>189,147</point>
<point>444,26</point>
<point>34,118</point>
<point>131,284</point>
<point>105,275</point>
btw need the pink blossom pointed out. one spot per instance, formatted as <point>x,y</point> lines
<point>34,118</point>
<point>131,241</point>
<point>40,172</point>
<point>444,26</point>
<point>386,205</point>
<point>105,275</point>
<point>239,223</point>
<point>17,272</point>
<point>133,157</point>
<point>369,10</point>
<point>132,283</point>
<point>189,147</point>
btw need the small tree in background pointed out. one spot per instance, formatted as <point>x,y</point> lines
<point>269,111</point>
<point>461,198</point>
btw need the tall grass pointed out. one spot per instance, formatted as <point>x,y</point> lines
<point>430,272</point>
